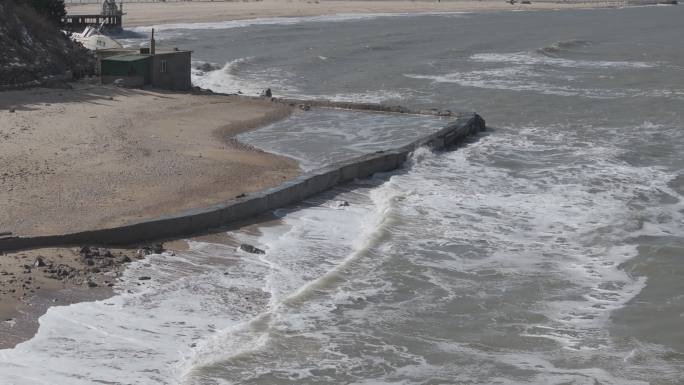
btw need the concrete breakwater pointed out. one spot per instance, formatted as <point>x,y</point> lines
<point>306,185</point>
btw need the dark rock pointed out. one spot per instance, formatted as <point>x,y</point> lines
<point>251,249</point>
<point>158,248</point>
<point>11,110</point>
<point>207,67</point>
<point>105,262</point>
<point>95,270</point>
<point>94,252</point>
<point>39,262</point>
<point>64,271</point>
<point>144,278</point>
<point>266,93</point>
<point>92,284</point>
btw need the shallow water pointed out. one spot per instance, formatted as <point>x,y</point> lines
<point>325,135</point>
<point>546,251</point>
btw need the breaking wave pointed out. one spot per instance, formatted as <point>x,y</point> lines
<point>241,76</point>
<point>560,47</point>
<point>526,58</point>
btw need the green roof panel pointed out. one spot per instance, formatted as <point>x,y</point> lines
<point>127,58</point>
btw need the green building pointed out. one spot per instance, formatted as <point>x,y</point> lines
<point>169,69</point>
<point>134,69</point>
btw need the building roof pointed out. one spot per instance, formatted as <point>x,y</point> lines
<point>128,57</point>
<point>169,51</point>
<point>121,50</point>
<point>136,51</point>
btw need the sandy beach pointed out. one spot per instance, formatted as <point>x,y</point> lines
<point>95,157</point>
<point>143,14</point>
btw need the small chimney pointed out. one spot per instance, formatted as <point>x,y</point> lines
<point>152,43</point>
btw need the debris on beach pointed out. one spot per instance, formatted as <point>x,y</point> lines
<point>39,262</point>
<point>340,204</point>
<point>251,249</point>
<point>157,248</point>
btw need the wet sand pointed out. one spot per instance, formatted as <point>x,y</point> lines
<point>31,281</point>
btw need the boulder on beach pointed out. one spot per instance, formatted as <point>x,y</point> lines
<point>251,249</point>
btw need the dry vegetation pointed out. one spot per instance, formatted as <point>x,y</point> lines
<point>33,50</point>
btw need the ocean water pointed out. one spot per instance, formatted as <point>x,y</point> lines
<point>547,250</point>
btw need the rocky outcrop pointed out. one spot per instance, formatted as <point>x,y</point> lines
<point>35,52</point>
<point>251,249</point>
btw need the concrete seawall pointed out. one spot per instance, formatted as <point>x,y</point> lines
<point>293,191</point>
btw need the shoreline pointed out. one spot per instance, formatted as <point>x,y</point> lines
<point>149,14</point>
<point>86,156</point>
<point>69,275</point>
<point>94,267</point>
<point>94,157</point>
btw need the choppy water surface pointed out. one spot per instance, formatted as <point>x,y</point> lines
<point>547,251</point>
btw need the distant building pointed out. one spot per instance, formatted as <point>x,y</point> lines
<point>110,19</point>
<point>169,69</point>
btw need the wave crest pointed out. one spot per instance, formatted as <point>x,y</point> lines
<point>559,47</point>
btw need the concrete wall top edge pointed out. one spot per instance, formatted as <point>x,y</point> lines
<point>184,222</point>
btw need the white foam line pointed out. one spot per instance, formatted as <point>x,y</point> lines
<point>532,59</point>
<point>204,355</point>
<point>339,17</point>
